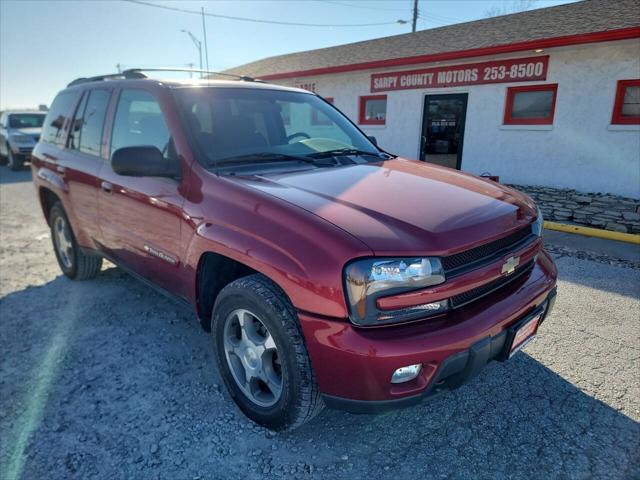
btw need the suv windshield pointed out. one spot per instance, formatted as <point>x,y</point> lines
<point>26,120</point>
<point>259,125</point>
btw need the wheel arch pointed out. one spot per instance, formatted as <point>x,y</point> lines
<point>48,199</point>
<point>213,273</point>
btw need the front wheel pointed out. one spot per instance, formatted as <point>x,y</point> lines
<point>261,354</point>
<point>3,158</point>
<point>14,162</point>
<point>73,262</point>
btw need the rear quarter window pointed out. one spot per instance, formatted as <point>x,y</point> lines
<point>88,123</point>
<point>55,123</point>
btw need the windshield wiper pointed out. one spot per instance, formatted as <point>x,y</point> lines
<point>269,157</point>
<point>344,151</point>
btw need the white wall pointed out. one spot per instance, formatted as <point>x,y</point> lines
<point>580,150</point>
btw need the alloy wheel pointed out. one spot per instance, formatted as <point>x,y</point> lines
<point>63,242</point>
<point>252,357</point>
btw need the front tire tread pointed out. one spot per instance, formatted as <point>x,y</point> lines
<point>310,401</point>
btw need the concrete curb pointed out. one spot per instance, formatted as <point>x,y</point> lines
<point>593,232</point>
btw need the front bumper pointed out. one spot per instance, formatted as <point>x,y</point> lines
<point>353,365</point>
<point>22,150</point>
<point>453,372</point>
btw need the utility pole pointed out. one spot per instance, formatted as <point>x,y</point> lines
<point>119,67</point>
<point>415,15</point>
<point>204,33</point>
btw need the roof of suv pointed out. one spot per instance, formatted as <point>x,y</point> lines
<point>188,82</point>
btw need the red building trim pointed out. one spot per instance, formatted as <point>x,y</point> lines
<point>617,118</point>
<point>607,36</point>
<point>363,102</point>
<point>511,91</point>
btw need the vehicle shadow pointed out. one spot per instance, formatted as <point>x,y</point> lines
<point>9,176</point>
<point>107,378</point>
<point>516,420</point>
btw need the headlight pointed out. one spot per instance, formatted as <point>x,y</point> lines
<point>21,138</point>
<point>369,279</point>
<point>538,225</point>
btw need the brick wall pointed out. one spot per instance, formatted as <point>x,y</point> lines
<point>610,212</point>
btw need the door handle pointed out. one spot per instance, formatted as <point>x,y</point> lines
<point>106,186</point>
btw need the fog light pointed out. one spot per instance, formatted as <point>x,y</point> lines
<point>404,374</point>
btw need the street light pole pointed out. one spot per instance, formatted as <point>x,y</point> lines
<point>197,43</point>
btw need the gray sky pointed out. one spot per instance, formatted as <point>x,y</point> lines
<point>45,44</point>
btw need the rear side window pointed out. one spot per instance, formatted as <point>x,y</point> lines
<point>139,121</point>
<point>54,125</point>
<point>88,122</point>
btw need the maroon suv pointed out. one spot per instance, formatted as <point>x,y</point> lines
<point>328,271</point>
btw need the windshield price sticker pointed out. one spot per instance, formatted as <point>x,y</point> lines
<point>497,71</point>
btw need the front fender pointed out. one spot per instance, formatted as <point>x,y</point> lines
<point>301,252</point>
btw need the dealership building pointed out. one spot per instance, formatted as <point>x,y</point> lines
<point>547,98</point>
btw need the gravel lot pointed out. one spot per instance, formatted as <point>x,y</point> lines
<point>108,379</point>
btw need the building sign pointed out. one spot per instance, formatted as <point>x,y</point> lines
<point>496,71</point>
<point>307,86</point>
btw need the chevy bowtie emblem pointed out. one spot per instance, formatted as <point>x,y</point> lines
<point>510,265</point>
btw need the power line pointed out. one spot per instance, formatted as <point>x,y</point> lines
<point>408,8</point>
<point>256,20</point>
<point>443,18</point>
<point>367,7</point>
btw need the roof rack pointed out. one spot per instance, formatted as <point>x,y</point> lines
<point>133,73</point>
<point>244,78</point>
<point>110,76</point>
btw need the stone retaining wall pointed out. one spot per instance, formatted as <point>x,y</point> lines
<point>609,212</point>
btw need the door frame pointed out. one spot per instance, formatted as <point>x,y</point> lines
<point>425,112</point>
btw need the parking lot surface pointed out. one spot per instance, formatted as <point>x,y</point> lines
<point>108,379</point>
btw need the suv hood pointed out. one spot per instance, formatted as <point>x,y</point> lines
<point>402,207</point>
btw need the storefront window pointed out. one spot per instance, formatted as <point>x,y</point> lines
<point>373,110</point>
<point>530,105</point>
<point>626,110</point>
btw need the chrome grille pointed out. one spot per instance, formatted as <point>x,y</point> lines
<point>458,262</point>
<point>483,290</point>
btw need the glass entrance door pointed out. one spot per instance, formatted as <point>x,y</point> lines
<point>443,129</point>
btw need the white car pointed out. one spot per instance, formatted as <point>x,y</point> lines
<point>19,133</point>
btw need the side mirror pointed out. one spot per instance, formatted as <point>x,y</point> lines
<point>373,140</point>
<point>143,161</point>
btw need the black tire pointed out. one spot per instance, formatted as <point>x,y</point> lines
<point>14,162</point>
<point>300,398</point>
<point>77,265</point>
<point>3,158</point>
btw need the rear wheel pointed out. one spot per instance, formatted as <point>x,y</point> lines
<point>14,162</point>
<point>73,262</point>
<point>262,356</point>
